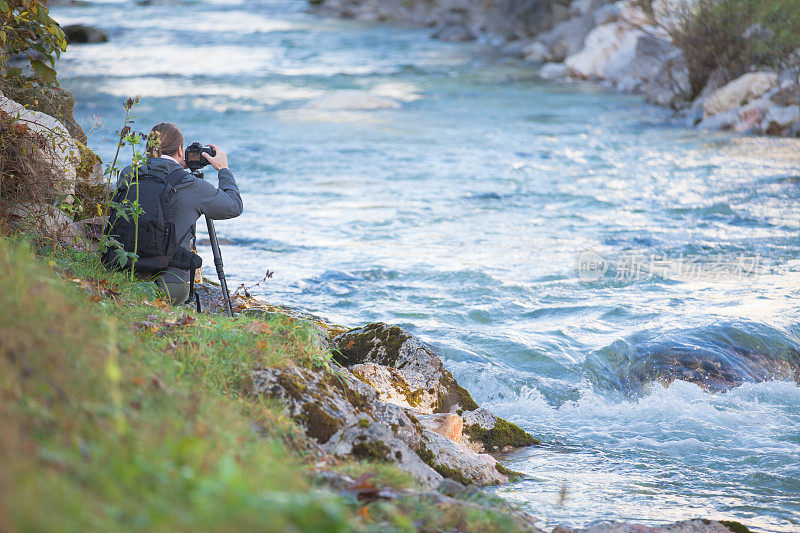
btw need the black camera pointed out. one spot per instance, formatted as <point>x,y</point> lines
<point>194,156</point>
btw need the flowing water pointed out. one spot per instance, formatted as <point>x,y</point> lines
<point>621,286</point>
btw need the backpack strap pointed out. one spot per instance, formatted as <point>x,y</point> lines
<point>175,177</point>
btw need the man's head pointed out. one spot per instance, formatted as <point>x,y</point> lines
<point>165,139</point>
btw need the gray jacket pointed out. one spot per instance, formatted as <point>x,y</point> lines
<point>195,197</point>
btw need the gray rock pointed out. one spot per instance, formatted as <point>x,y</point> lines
<point>670,86</point>
<point>651,55</point>
<point>493,433</point>
<point>786,96</point>
<point>396,348</point>
<point>607,13</point>
<point>321,403</point>
<point>722,121</point>
<point>779,120</point>
<point>687,526</point>
<point>364,438</point>
<point>453,33</point>
<point>458,462</point>
<point>58,103</point>
<point>740,91</point>
<point>404,388</point>
<point>82,34</point>
<point>566,38</point>
<point>553,71</point>
<point>536,52</point>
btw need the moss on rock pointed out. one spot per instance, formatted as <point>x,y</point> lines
<point>319,424</point>
<point>452,394</point>
<point>502,435</point>
<point>374,450</point>
<point>510,474</point>
<point>363,344</point>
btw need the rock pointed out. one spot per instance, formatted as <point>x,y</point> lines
<point>536,52</point>
<point>721,121</point>
<point>493,433</point>
<point>600,46</point>
<point>740,91</point>
<point>363,438</point>
<point>687,526</point>
<point>553,71</point>
<point>606,14</point>
<point>58,153</point>
<point>650,56</point>
<point>779,120</point>
<point>566,38</point>
<point>453,33</point>
<point>750,117</point>
<point>321,403</point>
<point>447,425</point>
<point>82,34</point>
<point>396,348</point>
<point>400,387</point>
<point>57,103</point>
<point>457,462</point>
<point>787,96</point>
<point>670,85</point>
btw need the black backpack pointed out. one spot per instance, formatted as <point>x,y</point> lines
<point>158,246</point>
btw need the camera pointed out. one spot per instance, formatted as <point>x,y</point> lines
<point>194,156</point>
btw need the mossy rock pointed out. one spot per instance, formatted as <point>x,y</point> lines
<point>375,343</point>
<point>502,436</point>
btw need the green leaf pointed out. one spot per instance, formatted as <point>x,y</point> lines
<point>47,74</point>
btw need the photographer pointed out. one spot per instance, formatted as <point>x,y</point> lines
<point>195,197</point>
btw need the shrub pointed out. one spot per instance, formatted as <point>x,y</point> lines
<point>732,37</point>
<point>26,28</point>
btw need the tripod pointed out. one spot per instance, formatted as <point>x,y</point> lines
<point>212,237</point>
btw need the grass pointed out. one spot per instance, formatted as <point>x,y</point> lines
<point>120,412</point>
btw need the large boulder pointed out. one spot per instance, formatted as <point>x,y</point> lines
<point>57,103</point>
<point>393,347</point>
<point>58,155</point>
<point>739,92</point>
<point>83,34</point>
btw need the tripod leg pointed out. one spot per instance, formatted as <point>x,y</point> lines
<point>212,237</point>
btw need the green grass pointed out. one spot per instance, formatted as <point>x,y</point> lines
<point>119,412</point>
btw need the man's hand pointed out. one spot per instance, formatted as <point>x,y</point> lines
<point>220,160</point>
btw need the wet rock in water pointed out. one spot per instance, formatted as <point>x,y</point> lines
<point>536,52</point>
<point>740,91</point>
<point>779,120</point>
<point>686,526</point>
<point>396,348</point>
<point>364,438</point>
<point>83,34</point>
<point>493,433</point>
<point>787,96</point>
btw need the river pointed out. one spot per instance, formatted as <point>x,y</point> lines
<point>569,251</point>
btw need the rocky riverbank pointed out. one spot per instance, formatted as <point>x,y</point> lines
<point>626,45</point>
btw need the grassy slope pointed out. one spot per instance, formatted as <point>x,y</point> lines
<point>119,412</point>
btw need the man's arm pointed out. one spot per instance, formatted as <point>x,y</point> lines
<point>225,201</point>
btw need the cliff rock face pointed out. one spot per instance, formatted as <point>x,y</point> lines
<point>392,399</point>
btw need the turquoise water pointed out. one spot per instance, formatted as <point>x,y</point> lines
<point>389,177</point>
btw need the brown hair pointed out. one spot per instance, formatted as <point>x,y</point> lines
<point>164,138</point>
